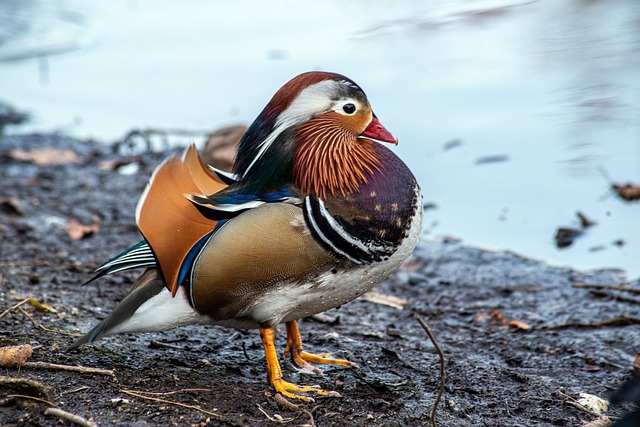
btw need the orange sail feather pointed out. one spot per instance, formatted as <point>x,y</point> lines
<point>169,222</point>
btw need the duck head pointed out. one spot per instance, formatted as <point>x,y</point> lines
<point>318,132</point>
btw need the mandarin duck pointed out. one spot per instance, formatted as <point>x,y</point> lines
<point>314,214</point>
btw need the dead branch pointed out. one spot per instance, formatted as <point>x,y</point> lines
<point>616,321</point>
<point>80,369</point>
<point>76,419</point>
<point>170,402</point>
<point>611,287</point>
<point>442,367</point>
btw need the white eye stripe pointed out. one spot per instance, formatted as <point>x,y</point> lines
<point>310,101</point>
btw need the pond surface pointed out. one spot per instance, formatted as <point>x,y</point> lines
<point>514,115</point>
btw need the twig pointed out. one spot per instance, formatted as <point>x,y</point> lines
<point>167,393</point>
<point>76,419</point>
<point>24,396</point>
<point>612,287</point>
<point>84,387</point>
<point>286,405</point>
<point>310,415</point>
<point>13,307</point>
<point>278,418</point>
<point>157,344</point>
<point>81,369</point>
<point>44,328</point>
<point>427,329</point>
<point>582,408</point>
<point>376,297</point>
<point>170,402</point>
<point>616,321</point>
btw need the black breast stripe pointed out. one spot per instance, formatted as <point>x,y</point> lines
<point>336,239</point>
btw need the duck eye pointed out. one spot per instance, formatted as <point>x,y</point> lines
<point>349,108</point>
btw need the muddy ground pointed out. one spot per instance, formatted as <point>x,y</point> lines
<point>497,375</point>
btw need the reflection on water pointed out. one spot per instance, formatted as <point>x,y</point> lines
<point>37,29</point>
<point>552,89</point>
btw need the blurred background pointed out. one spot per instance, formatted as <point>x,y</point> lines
<point>513,115</point>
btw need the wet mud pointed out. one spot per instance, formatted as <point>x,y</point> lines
<point>516,333</point>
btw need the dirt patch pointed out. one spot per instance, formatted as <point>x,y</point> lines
<point>499,372</point>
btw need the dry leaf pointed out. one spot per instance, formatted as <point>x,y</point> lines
<point>497,318</point>
<point>46,156</point>
<point>78,231</point>
<point>636,364</point>
<point>593,403</point>
<point>14,356</point>
<point>519,325</point>
<point>45,307</point>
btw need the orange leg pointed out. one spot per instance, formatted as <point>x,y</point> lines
<point>274,373</point>
<point>302,358</point>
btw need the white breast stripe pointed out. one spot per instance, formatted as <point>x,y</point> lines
<point>312,221</point>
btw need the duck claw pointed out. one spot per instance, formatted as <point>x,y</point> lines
<point>292,390</point>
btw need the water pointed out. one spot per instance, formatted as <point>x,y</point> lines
<point>550,90</point>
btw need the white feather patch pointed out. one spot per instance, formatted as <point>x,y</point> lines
<point>161,312</point>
